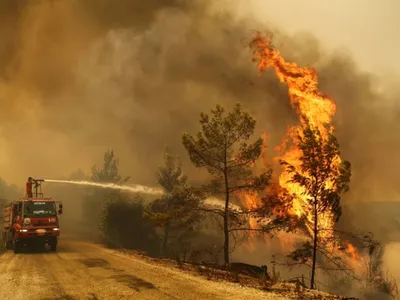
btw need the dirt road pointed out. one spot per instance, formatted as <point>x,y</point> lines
<point>87,271</point>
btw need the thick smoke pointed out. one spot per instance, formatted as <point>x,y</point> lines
<point>78,77</point>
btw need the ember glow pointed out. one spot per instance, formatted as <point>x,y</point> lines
<point>250,200</point>
<point>353,253</point>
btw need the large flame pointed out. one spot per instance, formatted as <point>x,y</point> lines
<point>319,109</point>
<point>308,101</point>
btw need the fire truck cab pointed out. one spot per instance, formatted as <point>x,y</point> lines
<point>32,220</point>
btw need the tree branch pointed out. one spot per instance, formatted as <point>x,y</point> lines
<point>206,162</point>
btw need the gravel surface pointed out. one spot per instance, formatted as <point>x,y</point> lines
<point>82,270</point>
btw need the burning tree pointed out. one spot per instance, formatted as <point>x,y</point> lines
<point>314,173</point>
<point>321,178</point>
<point>175,212</point>
<point>222,148</point>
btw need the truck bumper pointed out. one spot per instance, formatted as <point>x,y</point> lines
<point>37,241</point>
<point>32,237</point>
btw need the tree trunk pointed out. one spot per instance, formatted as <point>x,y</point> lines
<point>314,258</point>
<point>226,218</point>
<point>226,231</point>
<point>165,241</point>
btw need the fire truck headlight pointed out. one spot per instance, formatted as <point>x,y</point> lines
<point>24,230</point>
<point>56,229</point>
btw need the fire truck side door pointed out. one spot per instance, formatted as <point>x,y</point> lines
<point>16,210</point>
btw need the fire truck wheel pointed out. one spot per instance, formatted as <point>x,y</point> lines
<point>9,245</point>
<point>5,240</point>
<point>17,247</point>
<point>53,245</point>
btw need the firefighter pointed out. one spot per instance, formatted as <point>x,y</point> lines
<point>29,184</point>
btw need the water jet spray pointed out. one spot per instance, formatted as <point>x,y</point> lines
<point>142,189</point>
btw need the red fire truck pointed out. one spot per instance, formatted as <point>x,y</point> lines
<point>32,220</point>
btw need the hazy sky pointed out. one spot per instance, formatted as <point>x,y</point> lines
<point>79,77</point>
<point>367,28</point>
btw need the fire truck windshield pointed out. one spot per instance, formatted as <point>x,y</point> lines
<point>39,209</point>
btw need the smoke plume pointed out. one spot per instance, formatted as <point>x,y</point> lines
<point>79,77</point>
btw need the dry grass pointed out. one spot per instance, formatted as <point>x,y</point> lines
<point>220,273</point>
